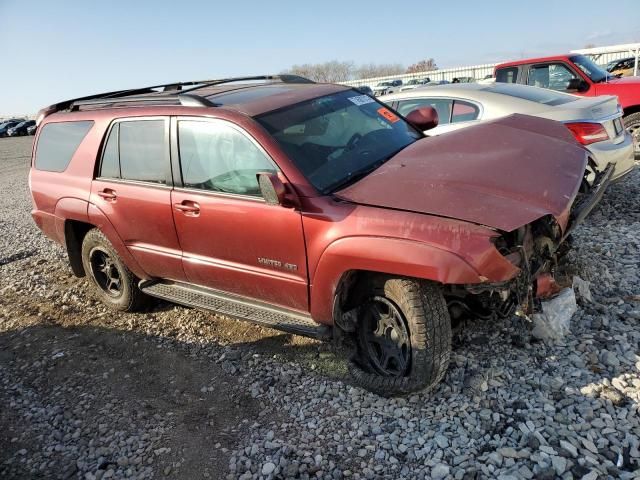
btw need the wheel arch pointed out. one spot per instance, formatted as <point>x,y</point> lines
<point>630,110</point>
<point>350,259</point>
<point>74,233</point>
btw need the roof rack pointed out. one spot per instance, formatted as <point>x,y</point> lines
<point>170,94</point>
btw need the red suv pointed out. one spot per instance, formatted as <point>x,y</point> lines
<point>310,208</point>
<point>579,75</point>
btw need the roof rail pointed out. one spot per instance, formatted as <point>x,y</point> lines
<point>185,99</point>
<point>174,93</point>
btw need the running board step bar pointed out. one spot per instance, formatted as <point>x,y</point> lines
<point>237,307</point>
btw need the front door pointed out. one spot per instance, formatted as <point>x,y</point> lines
<point>133,190</point>
<point>231,239</point>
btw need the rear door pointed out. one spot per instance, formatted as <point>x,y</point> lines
<point>231,239</point>
<point>133,189</point>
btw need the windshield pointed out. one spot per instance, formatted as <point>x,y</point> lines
<point>595,72</point>
<point>336,139</point>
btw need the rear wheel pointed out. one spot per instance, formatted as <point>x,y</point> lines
<point>403,337</point>
<point>632,124</point>
<point>116,285</point>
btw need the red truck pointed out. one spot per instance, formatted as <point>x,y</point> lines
<point>579,75</point>
<point>310,208</point>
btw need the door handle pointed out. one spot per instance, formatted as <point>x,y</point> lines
<point>108,194</point>
<point>188,208</point>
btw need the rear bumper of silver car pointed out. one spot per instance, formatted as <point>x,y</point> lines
<point>620,155</point>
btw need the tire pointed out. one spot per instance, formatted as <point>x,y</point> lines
<point>632,124</point>
<point>423,311</point>
<point>122,295</point>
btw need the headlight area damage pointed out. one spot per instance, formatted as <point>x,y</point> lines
<point>535,250</point>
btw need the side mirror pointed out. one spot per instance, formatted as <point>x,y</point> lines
<point>577,85</point>
<point>274,191</point>
<point>423,118</point>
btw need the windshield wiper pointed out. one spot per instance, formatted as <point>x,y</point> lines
<point>352,178</point>
<point>358,174</point>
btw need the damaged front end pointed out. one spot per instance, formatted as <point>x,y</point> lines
<point>534,249</point>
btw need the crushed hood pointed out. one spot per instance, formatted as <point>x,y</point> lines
<point>502,174</point>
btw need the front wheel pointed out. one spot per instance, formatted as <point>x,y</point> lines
<point>632,124</point>
<point>116,284</point>
<point>403,337</point>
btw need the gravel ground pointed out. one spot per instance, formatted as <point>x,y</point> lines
<point>177,393</point>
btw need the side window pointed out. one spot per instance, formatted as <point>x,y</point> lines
<point>219,158</point>
<point>442,106</point>
<point>507,75</point>
<point>110,166</point>
<point>464,111</point>
<point>136,150</point>
<point>555,76</point>
<point>58,143</point>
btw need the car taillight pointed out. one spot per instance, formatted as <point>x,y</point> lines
<point>587,133</point>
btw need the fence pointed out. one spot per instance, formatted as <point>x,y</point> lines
<point>476,71</point>
<point>601,55</point>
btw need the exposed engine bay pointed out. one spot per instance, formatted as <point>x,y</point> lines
<point>535,249</point>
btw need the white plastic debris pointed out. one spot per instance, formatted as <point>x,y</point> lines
<point>582,288</point>
<point>552,323</point>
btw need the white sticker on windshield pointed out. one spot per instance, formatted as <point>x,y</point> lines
<point>361,99</point>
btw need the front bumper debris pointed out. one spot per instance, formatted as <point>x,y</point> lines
<point>587,201</point>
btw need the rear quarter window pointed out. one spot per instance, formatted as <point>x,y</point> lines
<point>57,144</point>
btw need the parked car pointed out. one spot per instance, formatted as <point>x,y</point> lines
<point>5,126</point>
<point>20,128</point>
<point>579,75</point>
<point>623,67</point>
<point>31,130</point>
<point>385,88</point>
<point>366,89</point>
<point>463,80</point>
<point>596,122</point>
<point>414,83</point>
<point>437,82</point>
<point>487,79</point>
<point>310,208</point>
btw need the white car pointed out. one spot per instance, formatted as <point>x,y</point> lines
<point>596,122</point>
<point>387,88</point>
<point>414,83</point>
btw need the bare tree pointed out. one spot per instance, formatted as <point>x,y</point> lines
<point>372,70</point>
<point>328,72</point>
<point>423,66</point>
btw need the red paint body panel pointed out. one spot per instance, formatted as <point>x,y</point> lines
<point>343,236</point>
<point>143,218</point>
<point>502,174</point>
<point>627,89</point>
<point>100,221</point>
<point>223,242</point>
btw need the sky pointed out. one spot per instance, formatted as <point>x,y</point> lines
<point>60,49</point>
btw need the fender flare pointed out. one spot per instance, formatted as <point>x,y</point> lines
<point>69,208</point>
<point>383,255</point>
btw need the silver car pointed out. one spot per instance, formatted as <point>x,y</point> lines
<point>595,121</point>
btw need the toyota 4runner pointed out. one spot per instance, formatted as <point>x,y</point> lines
<point>309,208</point>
